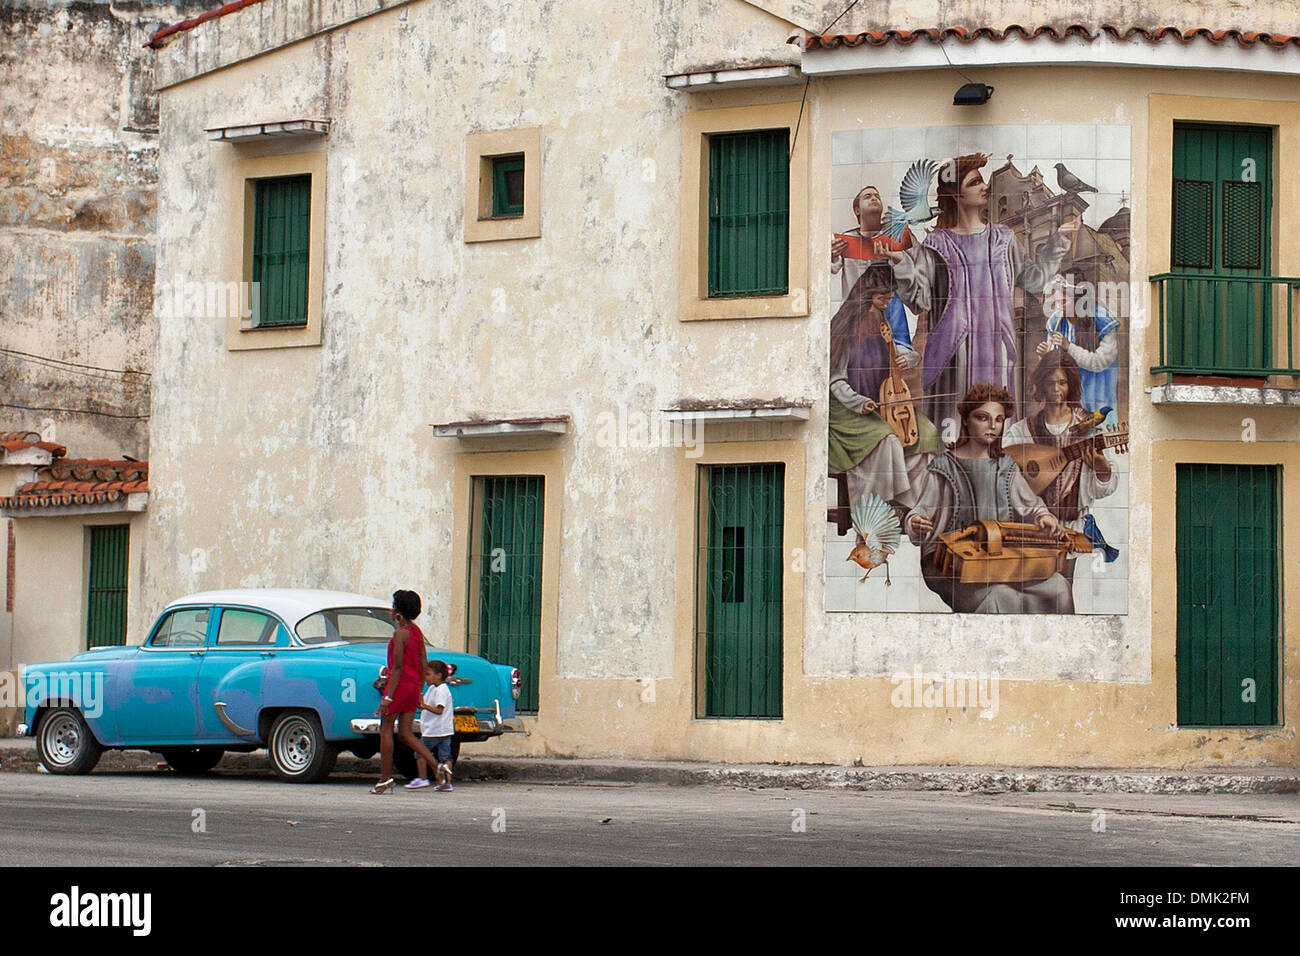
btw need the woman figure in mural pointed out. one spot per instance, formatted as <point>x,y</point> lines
<point>1055,383</point>
<point>861,444</point>
<point>974,481</point>
<point>965,272</point>
<point>1085,329</point>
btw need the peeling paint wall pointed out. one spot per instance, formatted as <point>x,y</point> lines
<point>78,177</point>
<point>316,467</point>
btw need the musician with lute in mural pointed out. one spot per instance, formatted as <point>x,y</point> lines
<point>1059,448</point>
<point>878,438</point>
<point>976,491</point>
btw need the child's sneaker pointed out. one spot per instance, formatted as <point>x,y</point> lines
<point>419,783</point>
<point>444,787</point>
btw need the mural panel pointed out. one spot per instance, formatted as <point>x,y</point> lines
<point>978,436</point>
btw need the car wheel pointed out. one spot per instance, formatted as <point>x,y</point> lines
<point>193,760</point>
<point>298,748</point>
<point>65,744</point>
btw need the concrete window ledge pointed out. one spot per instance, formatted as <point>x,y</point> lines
<point>1224,395</point>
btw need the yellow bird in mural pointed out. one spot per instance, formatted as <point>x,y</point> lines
<point>876,534</point>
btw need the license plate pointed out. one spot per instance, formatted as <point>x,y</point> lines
<point>466,724</point>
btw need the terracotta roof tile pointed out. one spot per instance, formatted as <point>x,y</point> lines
<point>80,481</point>
<point>20,441</point>
<point>1242,38</point>
<point>156,40</point>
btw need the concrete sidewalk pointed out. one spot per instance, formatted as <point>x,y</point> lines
<point>18,755</point>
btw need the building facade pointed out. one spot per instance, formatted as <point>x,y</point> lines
<point>583,326</point>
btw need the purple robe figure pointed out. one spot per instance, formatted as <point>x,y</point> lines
<point>966,281</point>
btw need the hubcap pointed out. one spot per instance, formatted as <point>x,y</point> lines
<point>295,745</point>
<point>62,739</point>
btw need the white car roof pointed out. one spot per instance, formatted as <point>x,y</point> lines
<point>290,604</point>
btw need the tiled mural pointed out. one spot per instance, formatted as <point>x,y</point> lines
<point>977,443</point>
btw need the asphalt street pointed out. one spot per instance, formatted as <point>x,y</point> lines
<point>247,818</point>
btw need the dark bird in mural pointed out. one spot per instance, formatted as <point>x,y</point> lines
<point>914,194</point>
<point>1094,420</point>
<point>1094,535</point>
<point>876,533</point>
<point>1070,182</point>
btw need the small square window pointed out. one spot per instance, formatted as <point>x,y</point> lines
<point>503,185</point>
<point>508,186</point>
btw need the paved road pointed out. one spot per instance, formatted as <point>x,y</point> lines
<point>130,818</point>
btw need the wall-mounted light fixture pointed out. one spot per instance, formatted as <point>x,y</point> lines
<point>972,94</point>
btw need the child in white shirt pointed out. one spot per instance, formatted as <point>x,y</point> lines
<point>437,727</point>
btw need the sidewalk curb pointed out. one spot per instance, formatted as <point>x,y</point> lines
<point>20,757</point>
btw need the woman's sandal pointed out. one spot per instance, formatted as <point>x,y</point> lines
<point>384,786</point>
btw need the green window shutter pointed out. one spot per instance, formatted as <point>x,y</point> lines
<point>507,187</point>
<point>742,569</point>
<point>1243,225</point>
<point>106,591</point>
<point>749,214</point>
<point>1228,595</point>
<point>281,240</point>
<point>506,572</point>
<point>1193,224</point>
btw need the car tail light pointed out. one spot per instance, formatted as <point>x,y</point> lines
<point>516,683</point>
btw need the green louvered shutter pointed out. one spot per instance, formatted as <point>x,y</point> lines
<point>106,595</point>
<point>1227,552</point>
<point>741,564</point>
<point>749,213</point>
<point>506,575</point>
<point>1222,196</point>
<point>281,237</point>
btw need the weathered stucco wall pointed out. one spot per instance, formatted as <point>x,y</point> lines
<point>78,170</point>
<point>316,466</point>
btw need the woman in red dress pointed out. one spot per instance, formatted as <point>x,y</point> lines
<point>402,693</point>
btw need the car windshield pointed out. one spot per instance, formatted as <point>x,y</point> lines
<point>352,624</point>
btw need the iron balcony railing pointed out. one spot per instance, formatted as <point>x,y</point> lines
<point>1226,325</point>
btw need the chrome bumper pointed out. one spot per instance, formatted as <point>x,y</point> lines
<point>486,725</point>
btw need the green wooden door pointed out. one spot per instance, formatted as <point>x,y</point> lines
<point>1227,529</point>
<point>106,591</point>
<point>741,565</point>
<point>506,576</point>
<point>1221,217</point>
<point>749,213</point>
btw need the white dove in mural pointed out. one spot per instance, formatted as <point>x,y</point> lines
<point>914,194</point>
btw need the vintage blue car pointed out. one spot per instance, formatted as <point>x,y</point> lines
<point>288,670</point>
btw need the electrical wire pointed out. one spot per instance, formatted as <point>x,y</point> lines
<point>71,411</point>
<point>950,63</point>
<point>808,79</point>
<point>81,365</point>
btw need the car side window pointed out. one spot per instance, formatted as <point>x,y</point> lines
<point>242,628</point>
<point>187,627</point>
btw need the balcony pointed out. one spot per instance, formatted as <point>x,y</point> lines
<point>1226,339</point>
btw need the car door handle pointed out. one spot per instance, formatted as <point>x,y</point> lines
<point>268,653</point>
<point>196,653</point>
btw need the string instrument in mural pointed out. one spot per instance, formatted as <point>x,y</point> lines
<point>1040,464</point>
<point>1006,552</point>
<point>896,406</point>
